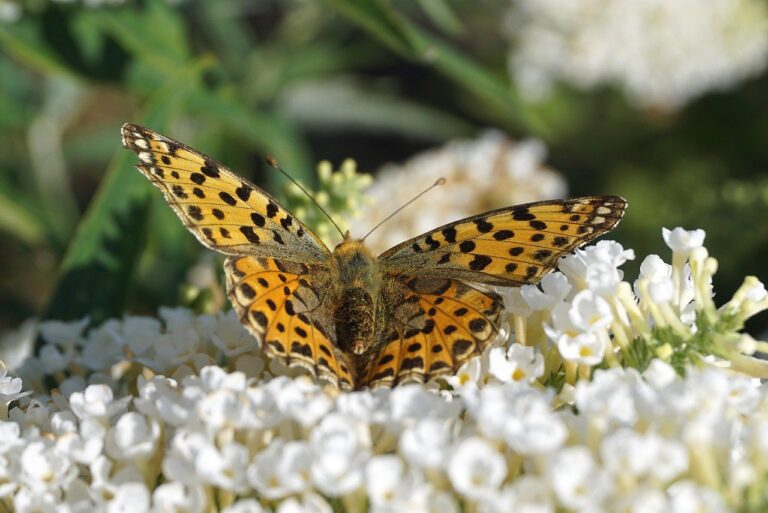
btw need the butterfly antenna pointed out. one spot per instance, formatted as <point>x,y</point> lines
<point>440,181</point>
<point>273,162</point>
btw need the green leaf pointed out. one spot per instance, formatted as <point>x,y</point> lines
<point>19,218</point>
<point>95,275</point>
<point>350,105</point>
<point>408,40</point>
<point>266,132</point>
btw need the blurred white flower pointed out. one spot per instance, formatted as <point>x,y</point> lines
<point>340,450</point>
<point>130,498</point>
<point>140,333</point>
<point>683,241</point>
<point>661,53</point>
<point>133,436</point>
<point>282,469</point>
<point>577,480</point>
<point>223,467</point>
<point>527,494</point>
<point>488,172</point>
<point>309,503</point>
<point>426,443</point>
<point>97,401</point>
<point>178,497</point>
<point>476,469</point>
<point>43,469</point>
<point>245,506</point>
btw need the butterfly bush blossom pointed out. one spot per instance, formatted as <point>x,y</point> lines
<point>488,172</point>
<point>661,53</point>
<point>612,395</point>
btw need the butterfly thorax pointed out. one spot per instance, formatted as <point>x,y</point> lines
<point>359,287</point>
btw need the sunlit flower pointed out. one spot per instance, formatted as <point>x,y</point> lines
<point>476,469</point>
<point>488,172</point>
<point>661,53</point>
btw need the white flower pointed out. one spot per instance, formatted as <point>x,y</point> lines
<point>526,494</point>
<point>661,53</point>
<point>426,443</point>
<point>10,388</point>
<point>340,449</point>
<point>97,401</point>
<point>103,346</point>
<point>310,503</point>
<point>411,402</point>
<point>531,427</point>
<point>29,501</point>
<point>140,333</point>
<point>658,274</point>
<point>161,398</point>
<point>225,467</point>
<point>590,312</point>
<point>583,348</point>
<point>683,241</point>
<point>134,436</point>
<point>63,334</point>
<point>302,400</point>
<point>170,497</point>
<point>469,376</point>
<point>52,359</point>
<point>9,436</point>
<point>554,288</point>
<point>245,506</point>
<point>627,452</point>
<point>476,469</point>
<point>44,469</point>
<point>577,480</point>
<point>129,498</point>
<point>231,337</point>
<point>520,363</point>
<point>490,171</point>
<point>84,445</point>
<point>687,497</point>
<point>282,469</point>
<point>180,461</point>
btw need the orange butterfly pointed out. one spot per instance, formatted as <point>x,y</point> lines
<point>351,318</point>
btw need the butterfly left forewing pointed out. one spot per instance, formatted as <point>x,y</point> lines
<point>436,325</point>
<point>224,211</point>
<point>510,246</point>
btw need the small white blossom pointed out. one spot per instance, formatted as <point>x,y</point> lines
<point>282,469</point>
<point>577,480</point>
<point>519,364</point>
<point>476,469</point>
<point>97,401</point>
<point>683,241</point>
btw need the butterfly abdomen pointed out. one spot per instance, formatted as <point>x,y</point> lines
<point>359,281</point>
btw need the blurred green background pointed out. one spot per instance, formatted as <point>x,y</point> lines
<point>83,233</point>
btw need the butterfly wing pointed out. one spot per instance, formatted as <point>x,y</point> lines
<point>508,247</point>
<point>436,325</point>
<point>285,304</point>
<point>225,212</point>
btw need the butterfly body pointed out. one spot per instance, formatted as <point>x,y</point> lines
<point>417,311</point>
<point>359,284</point>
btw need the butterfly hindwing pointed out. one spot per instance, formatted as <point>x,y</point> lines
<point>225,212</point>
<point>508,247</point>
<point>283,304</point>
<point>436,326</point>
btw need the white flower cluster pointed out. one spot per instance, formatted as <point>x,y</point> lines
<point>481,174</point>
<point>662,53</point>
<point>188,415</point>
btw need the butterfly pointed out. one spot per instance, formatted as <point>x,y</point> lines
<point>352,319</point>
